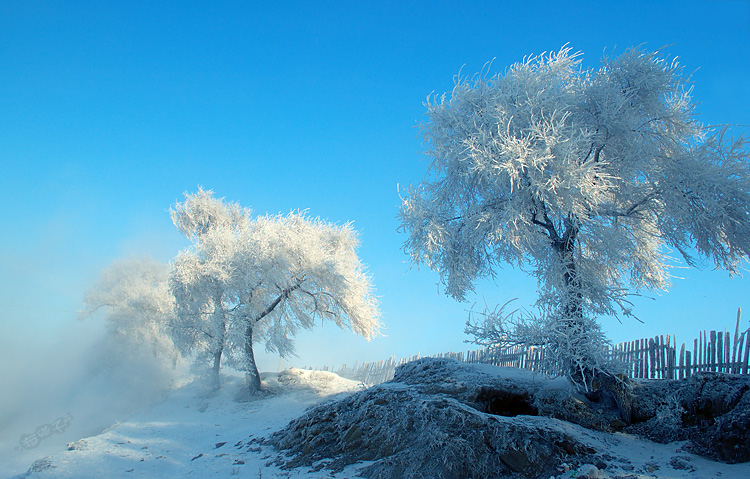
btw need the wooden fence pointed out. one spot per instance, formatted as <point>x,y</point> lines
<point>657,358</point>
<point>373,373</point>
<point>651,358</point>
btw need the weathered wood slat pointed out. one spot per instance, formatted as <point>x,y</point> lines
<point>652,359</point>
<point>727,353</point>
<point>735,343</point>
<point>682,365</point>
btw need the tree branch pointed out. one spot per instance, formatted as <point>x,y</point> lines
<point>475,213</point>
<point>633,208</point>
<point>547,223</point>
<point>284,295</point>
<point>597,153</point>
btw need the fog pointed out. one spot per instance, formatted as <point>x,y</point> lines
<point>78,381</point>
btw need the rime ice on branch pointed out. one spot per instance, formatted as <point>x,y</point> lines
<point>586,178</point>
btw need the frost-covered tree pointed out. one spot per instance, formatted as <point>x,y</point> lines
<point>134,296</point>
<point>586,178</point>
<point>249,279</point>
<point>200,275</point>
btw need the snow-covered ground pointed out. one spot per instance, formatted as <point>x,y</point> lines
<point>190,434</point>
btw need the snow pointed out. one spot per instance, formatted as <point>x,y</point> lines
<point>631,457</point>
<point>518,374</point>
<point>191,434</point>
<point>195,434</point>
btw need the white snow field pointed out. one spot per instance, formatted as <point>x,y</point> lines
<point>191,435</point>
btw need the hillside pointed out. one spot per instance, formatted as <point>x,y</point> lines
<point>192,435</point>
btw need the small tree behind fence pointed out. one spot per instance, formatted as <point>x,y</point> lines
<point>652,358</point>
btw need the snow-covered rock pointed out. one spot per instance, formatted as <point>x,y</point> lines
<point>709,410</point>
<point>442,419</point>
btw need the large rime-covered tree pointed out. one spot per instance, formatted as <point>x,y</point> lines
<point>248,279</point>
<point>587,178</point>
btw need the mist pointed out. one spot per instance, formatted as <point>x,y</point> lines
<point>71,384</point>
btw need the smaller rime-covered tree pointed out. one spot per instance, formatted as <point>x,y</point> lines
<point>201,275</point>
<point>138,306</point>
<point>249,279</point>
<point>583,177</point>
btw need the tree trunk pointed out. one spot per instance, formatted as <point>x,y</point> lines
<point>214,379</point>
<point>252,375</point>
<point>572,311</point>
<point>573,306</point>
<point>221,332</point>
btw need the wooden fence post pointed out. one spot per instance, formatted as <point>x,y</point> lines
<point>681,368</point>
<point>735,362</point>
<point>639,357</point>
<point>658,352</point>
<point>651,357</point>
<point>696,356</point>
<point>727,353</point>
<point>673,358</point>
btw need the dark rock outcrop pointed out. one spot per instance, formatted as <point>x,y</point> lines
<point>437,418</point>
<point>710,410</point>
<point>443,419</point>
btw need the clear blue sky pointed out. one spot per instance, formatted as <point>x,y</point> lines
<point>109,111</point>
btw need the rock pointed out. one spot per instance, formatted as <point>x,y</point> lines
<point>41,465</point>
<point>79,445</point>
<point>588,471</point>
<point>477,423</point>
<point>517,461</point>
<point>482,423</point>
<point>681,464</point>
<point>352,434</point>
<point>710,410</point>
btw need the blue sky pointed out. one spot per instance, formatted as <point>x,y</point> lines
<point>111,110</point>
